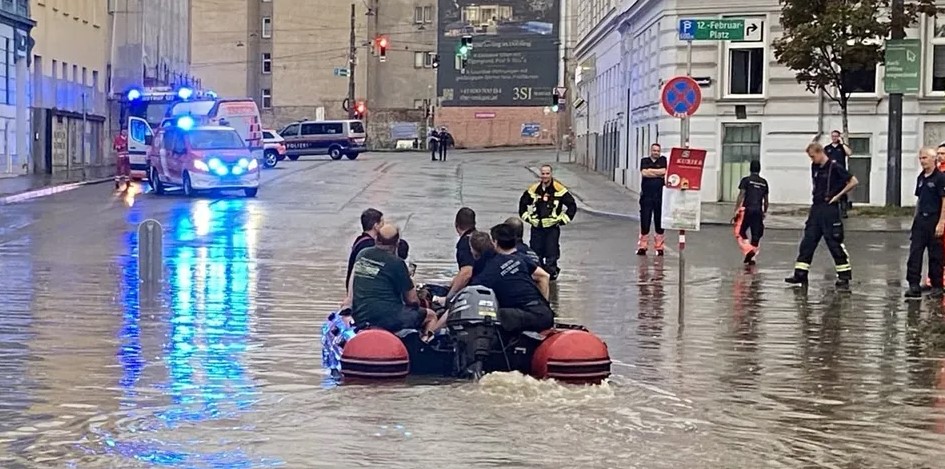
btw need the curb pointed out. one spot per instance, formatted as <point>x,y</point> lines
<point>583,206</point>
<point>47,191</point>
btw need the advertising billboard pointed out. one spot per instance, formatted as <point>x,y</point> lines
<point>514,56</point>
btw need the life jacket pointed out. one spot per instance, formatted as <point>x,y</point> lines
<point>546,204</point>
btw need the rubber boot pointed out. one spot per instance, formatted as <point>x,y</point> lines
<point>799,277</point>
<point>641,245</point>
<point>659,245</point>
<point>843,279</point>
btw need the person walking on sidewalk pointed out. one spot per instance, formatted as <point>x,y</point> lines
<point>547,205</point>
<point>838,150</point>
<point>653,171</point>
<point>750,210</point>
<point>928,225</point>
<point>830,183</point>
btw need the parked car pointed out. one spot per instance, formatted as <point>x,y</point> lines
<point>333,138</point>
<point>273,148</point>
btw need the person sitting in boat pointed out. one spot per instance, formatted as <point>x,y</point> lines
<point>482,248</point>
<point>520,285</point>
<point>381,292</point>
<point>518,226</point>
<point>371,220</point>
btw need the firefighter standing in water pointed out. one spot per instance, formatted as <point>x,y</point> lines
<point>122,160</point>
<point>653,171</point>
<point>940,162</point>
<point>546,205</point>
<point>927,226</point>
<point>751,207</point>
<point>830,183</point>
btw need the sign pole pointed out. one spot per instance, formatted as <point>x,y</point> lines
<point>684,142</point>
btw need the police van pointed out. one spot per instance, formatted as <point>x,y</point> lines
<point>333,138</point>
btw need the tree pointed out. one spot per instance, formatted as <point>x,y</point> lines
<point>825,41</point>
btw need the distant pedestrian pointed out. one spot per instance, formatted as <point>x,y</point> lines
<point>653,174</point>
<point>122,160</point>
<point>830,183</point>
<point>751,207</point>
<point>928,225</point>
<point>446,141</point>
<point>838,150</point>
<point>433,143</point>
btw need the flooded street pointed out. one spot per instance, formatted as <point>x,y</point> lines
<point>221,367</point>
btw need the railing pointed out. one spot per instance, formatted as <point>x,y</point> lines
<point>52,93</point>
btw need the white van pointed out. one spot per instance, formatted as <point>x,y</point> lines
<point>240,114</point>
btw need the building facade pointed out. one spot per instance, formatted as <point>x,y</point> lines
<point>150,43</point>
<point>69,80</point>
<point>15,42</point>
<point>752,107</point>
<point>292,56</point>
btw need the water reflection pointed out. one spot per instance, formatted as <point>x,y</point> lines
<point>212,277</point>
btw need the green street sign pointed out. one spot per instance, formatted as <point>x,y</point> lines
<point>902,66</point>
<point>715,29</point>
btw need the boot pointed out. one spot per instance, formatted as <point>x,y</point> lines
<point>641,244</point>
<point>843,280</point>
<point>750,256</point>
<point>799,278</point>
<point>914,291</point>
<point>659,245</point>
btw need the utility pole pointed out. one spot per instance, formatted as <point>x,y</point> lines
<point>352,58</point>
<point>894,142</point>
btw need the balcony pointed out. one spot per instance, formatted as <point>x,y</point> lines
<point>52,93</point>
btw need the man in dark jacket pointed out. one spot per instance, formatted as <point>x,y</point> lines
<point>371,221</point>
<point>446,141</point>
<point>546,205</point>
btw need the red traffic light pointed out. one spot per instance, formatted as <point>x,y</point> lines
<point>382,42</point>
<point>360,108</point>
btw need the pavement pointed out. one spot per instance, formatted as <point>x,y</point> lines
<point>599,195</point>
<point>21,188</point>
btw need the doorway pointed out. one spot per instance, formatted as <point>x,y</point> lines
<point>859,164</point>
<point>741,144</point>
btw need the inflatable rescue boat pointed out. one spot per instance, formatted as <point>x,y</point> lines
<point>471,345</point>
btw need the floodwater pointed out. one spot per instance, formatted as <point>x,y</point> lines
<point>220,366</point>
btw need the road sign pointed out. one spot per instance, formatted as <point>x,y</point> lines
<point>902,66</point>
<point>684,169</point>
<point>682,210</point>
<point>341,72</point>
<point>719,29</point>
<point>681,97</point>
<point>560,91</point>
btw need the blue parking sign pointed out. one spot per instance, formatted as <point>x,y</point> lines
<point>687,30</point>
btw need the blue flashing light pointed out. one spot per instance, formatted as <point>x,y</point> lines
<point>134,95</point>
<point>221,170</point>
<point>185,123</point>
<point>185,93</point>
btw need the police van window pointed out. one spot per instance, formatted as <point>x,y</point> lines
<point>357,127</point>
<point>333,128</point>
<point>290,131</point>
<point>138,130</point>
<point>311,129</point>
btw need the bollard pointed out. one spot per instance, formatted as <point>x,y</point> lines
<point>150,251</point>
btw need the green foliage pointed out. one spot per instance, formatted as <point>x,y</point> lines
<point>824,39</point>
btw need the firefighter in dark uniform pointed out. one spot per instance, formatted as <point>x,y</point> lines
<point>653,174</point>
<point>547,205</point>
<point>751,207</point>
<point>831,182</point>
<point>927,226</point>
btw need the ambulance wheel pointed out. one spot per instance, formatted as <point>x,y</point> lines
<point>188,187</point>
<point>155,180</point>
<point>251,191</point>
<point>335,153</point>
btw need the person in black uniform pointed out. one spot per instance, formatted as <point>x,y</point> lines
<point>750,210</point>
<point>837,150</point>
<point>831,182</point>
<point>927,226</point>
<point>446,141</point>
<point>547,205</point>
<point>653,172</point>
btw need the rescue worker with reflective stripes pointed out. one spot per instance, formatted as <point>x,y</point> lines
<point>546,205</point>
<point>940,162</point>
<point>653,178</point>
<point>928,226</point>
<point>751,207</point>
<point>830,183</point>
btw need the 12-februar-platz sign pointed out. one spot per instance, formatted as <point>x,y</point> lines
<point>903,59</point>
<point>514,56</point>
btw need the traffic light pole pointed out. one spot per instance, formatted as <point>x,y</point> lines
<point>352,58</point>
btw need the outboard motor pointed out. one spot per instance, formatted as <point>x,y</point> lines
<point>472,321</point>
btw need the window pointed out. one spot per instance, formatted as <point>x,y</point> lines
<point>746,69</point>
<point>267,98</point>
<point>311,129</point>
<point>290,131</point>
<point>428,14</point>
<point>85,76</point>
<point>268,135</point>
<point>423,59</point>
<point>938,56</point>
<point>266,62</point>
<point>418,15</point>
<point>266,27</point>
<point>5,72</point>
<point>741,144</point>
<point>862,81</point>
<point>419,103</point>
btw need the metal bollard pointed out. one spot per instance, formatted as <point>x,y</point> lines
<point>150,251</point>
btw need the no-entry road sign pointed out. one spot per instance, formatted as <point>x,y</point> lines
<point>681,97</point>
